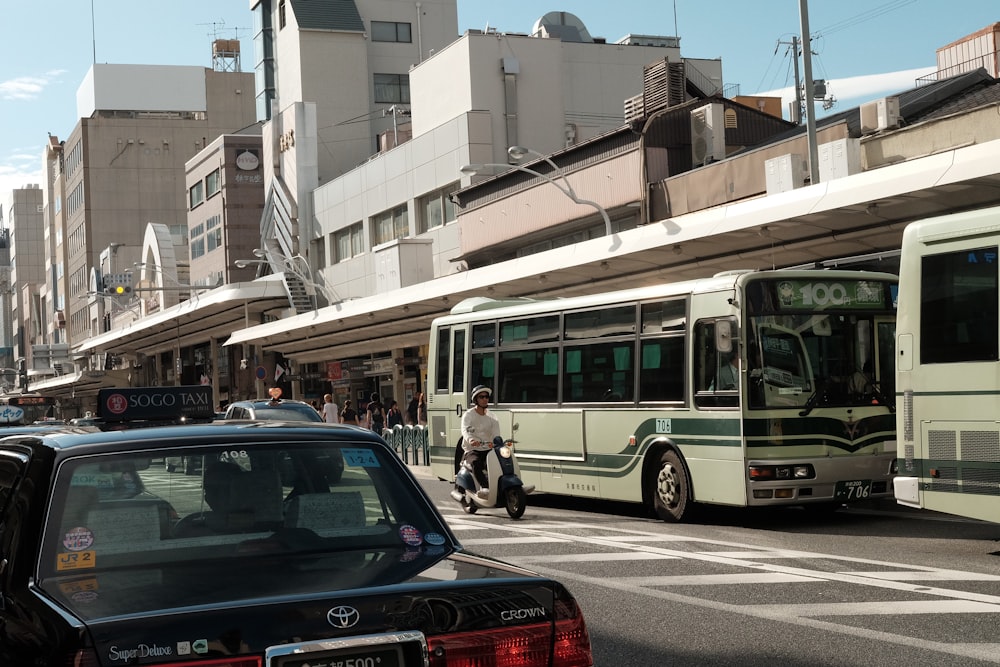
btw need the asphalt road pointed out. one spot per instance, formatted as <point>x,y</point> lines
<point>871,585</point>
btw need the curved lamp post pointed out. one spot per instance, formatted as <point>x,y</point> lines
<point>518,152</point>
<point>298,266</point>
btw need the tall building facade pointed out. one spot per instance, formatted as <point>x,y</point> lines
<point>27,313</point>
<point>122,167</point>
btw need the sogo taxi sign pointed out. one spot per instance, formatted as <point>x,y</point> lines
<point>129,403</point>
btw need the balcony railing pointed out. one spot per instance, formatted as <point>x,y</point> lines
<point>987,61</point>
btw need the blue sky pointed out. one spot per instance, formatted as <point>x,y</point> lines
<point>864,48</point>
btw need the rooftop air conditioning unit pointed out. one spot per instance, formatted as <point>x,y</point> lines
<point>708,134</point>
<point>879,115</point>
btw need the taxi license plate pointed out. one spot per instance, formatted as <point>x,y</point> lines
<point>385,656</point>
<point>857,489</point>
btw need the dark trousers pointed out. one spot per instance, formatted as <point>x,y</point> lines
<point>477,461</point>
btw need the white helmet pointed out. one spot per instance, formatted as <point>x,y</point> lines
<point>479,389</point>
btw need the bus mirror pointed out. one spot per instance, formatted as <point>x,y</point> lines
<point>724,335</point>
<point>821,325</point>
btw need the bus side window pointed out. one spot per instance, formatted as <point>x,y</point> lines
<point>443,357</point>
<point>710,364</point>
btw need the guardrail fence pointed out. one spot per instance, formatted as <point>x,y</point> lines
<point>411,443</point>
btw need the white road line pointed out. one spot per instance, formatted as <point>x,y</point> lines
<point>962,601</point>
<point>776,553</point>
<point>887,607</point>
<point>717,579</point>
<point>512,540</point>
<point>597,557</point>
<point>646,538</point>
<point>984,652</point>
<point>933,575</point>
<point>710,557</point>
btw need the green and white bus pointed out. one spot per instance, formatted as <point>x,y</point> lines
<point>948,366</point>
<point>620,396</point>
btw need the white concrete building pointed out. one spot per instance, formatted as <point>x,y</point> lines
<point>471,101</point>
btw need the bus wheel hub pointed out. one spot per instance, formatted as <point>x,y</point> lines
<point>667,485</point>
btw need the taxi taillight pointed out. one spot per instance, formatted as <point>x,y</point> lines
<point>82,658</point>
<point>529,645</point>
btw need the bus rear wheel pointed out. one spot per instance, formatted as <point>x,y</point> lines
<point>670,488</point>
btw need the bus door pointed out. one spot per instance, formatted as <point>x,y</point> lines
<point>458,389</point>
<point>885,357</point>
<point>447,398</point>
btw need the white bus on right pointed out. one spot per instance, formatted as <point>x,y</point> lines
<point>948,365</point>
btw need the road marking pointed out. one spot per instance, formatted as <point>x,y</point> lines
<point>887,607</point>
<point>954,601</point>
<point>776,553</point>
<point>597,557</point>
<point>933,575</point>
<point>984,652</point>
<point>717,579</point>
<point>512,540</point>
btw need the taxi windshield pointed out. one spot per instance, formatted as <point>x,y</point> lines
<point>153,508</point>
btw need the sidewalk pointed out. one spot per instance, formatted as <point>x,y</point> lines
<point>422,472</point>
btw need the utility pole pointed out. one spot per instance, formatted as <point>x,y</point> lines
<point>810,110</point>
<point>795,113</point>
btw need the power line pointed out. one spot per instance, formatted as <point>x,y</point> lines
<point>872,13</point>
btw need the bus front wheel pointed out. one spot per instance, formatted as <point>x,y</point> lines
<point>670,488</point>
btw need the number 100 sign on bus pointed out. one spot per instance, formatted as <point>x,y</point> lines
<point>744,389</point>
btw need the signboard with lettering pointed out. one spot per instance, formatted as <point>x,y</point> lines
<point>155,403</point>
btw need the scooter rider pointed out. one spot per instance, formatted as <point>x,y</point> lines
<point>479,428</point>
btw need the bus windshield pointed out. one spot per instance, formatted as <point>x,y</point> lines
<point>836,356</point>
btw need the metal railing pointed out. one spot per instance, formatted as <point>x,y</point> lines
<point>411,443</point>
<point>987,61</point>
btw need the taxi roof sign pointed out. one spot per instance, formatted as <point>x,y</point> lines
<point>155,403</point>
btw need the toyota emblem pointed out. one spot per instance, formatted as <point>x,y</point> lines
<point>343,617</point>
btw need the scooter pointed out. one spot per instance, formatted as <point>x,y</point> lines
<point>506,488</point>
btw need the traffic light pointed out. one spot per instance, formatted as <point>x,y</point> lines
<point>118,284</point>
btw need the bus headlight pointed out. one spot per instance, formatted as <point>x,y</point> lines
<point>792,471</point>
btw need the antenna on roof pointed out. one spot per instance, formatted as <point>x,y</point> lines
<point>216,27</point>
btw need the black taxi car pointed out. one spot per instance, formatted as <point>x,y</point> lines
<point>261,560</point>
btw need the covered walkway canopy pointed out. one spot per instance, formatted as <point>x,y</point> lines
<point>860,214</point>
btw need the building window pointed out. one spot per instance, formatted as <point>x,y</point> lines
<point>390,225</point>
<point>212,183</point>
<point>392,88</point>
<point>73,158</point>
<point>213,233</point>
<point>388,31</point>
<point>197,247</point>
<point>197,194</point>
<point>281,14</point>
<point>348,242</point>
<point>436,209</point>
<point>75,200</point>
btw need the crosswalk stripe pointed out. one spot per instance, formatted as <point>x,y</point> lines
<point>718,579</point>
<point>513,540</point>
<point>591,557</point>
<point>930,575</point>
<point>887,607</point>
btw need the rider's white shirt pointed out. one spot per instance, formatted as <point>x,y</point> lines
<point>479,427</point>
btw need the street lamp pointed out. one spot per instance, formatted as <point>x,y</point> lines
<point>519,152</point>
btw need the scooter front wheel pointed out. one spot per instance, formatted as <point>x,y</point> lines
<point>516,501</point>
<point>469,506</point>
